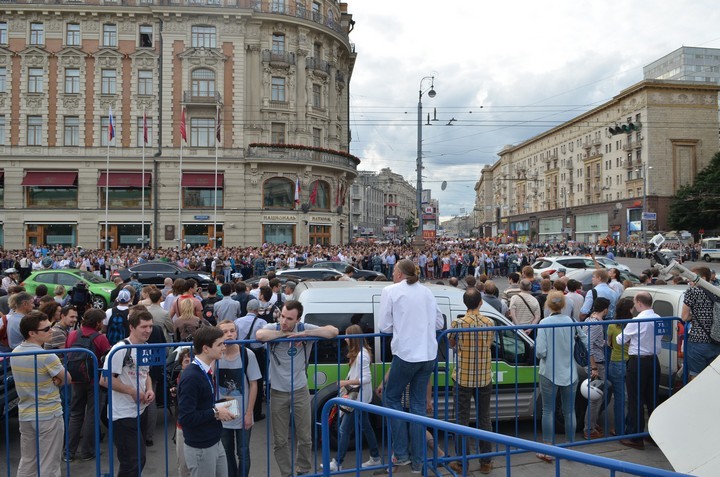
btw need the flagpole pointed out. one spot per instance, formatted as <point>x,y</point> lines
<point>107,181</point>
<point>142,185</point>
<point>217,140</point>
<point>179,230</point>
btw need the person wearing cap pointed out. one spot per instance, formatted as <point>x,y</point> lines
<point>288,290</point>
<point>10,280</point>
<point>561,272</point>
<point>121,309</point>
<point>247,327</point>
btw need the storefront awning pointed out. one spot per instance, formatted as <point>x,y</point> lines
<point>201,179</point>
<point>124,179</point>
<point>50,179</point>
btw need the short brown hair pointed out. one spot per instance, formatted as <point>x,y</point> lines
<point>555,301</point>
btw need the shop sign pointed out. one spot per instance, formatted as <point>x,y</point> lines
<point>314,218</point>
<point>279,217</point>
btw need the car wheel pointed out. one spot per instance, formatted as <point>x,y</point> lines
<point>98,302</point>
<point>707,258</point>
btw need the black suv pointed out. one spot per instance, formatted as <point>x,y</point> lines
<point>155,273</point>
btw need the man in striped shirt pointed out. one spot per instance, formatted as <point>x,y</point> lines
<point>473,377</point>
<point>37,378</point>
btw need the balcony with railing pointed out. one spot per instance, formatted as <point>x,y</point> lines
<point>202,98</point>
<point>278,58</point>
<point>300,153</point>
<point>318,66</point>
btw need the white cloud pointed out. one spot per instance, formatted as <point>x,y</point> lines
<point>529,64</point>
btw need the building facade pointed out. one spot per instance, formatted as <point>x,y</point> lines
<point>593,176</point>
<point>400,203</point>
<point>368,204</point>
<point>687,63</point>
<point>207,114</point>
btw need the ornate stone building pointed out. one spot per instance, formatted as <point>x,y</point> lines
<point>144,89</point>
<point>591,177</point>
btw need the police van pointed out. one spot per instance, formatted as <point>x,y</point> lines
<point>710,249</point>
<point>341,304</point>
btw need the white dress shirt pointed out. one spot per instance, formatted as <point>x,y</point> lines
<point>641,336</point>
<point>411,314</point>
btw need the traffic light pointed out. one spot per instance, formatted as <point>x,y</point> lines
<point>623,129</point>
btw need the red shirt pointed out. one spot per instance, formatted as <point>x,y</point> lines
<point>102,345</point>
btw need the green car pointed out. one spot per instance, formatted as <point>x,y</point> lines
<point>98,286</point>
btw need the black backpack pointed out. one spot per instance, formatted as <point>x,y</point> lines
<point>80,364</point>
<point>118,327</point>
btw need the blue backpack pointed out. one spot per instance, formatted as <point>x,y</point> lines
<point>118,328</point>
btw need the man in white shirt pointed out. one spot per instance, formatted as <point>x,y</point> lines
<point>410,312</point>
<point>643,367</point>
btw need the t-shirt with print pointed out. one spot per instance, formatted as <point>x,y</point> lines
<point>288,360</point>
<point>124,405</point>
<point>233,382</point>
<point>41,395</point>
<point>701,309</point>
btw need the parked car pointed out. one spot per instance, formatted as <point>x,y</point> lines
<point>155,273</point>
<point>99,288</point>
<point>610,263</point>
<point>584,276</point>
<point>308,273</point>
<point>551,265</point>
<point>341,266</point>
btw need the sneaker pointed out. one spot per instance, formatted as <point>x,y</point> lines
<point>397,461</point>
<point>372,462</point>
<point>413,470</point>
<point>68,458</point>
<point>86,458</point>
<point>456,467</point>
<point>334,467</point>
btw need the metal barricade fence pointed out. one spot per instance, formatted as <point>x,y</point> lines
<point>515,388</point>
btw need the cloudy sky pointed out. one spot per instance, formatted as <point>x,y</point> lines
<point>505,71</point>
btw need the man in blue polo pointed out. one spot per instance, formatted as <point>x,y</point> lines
<point>601,288</point>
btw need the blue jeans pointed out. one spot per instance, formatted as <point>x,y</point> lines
<point>700,355</point>
<point>549,393</point>
<point>390,269</point>
<point>616,375</point>
<point>417,375</point>
<point>237,446</point>
<point>345,430</point>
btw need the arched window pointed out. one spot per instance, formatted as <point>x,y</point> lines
<point>278,193</point>
<point>320,195</point>
<point>203,82</point>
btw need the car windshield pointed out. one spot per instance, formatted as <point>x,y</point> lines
<point>90,277</point>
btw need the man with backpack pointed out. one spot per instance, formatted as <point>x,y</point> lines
<point>60,330</point>
<point>83,374</point>
<point>115,324</point>
<point>247,327</point>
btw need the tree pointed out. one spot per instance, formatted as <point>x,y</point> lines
<point>697,205</point>
<point>410,226</point>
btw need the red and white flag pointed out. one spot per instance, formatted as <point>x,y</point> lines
<point>183,129</point>
<point>297,191</point>
<point>145,127</point>
<point>313,194</point>
<point>217,125</point>
<point>337,195</point>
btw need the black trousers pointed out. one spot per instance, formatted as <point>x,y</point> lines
<point>641,380</point>
<point>125,432</point>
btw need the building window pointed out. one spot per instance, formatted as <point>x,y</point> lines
<point>202,198</point>
<point>104,124</point>
<point>35,80</point>
<point>203,37</point>
<point>34,130</point>
<point>277,92</point>
<point>319,235</point>
<point>317,51</point>
<point>3,79</point>
<point>317,137</point>
<point>141,132</point>
<point>125,198</point>
<point>72,131</point>
<point>202,132</point>
<point>320,195</point>
<point>2,130</point>
<point>277,6</point>
<point>277,133</point>
<point>37,34</point>
<point>145,82</point>
<point>72,80</point>
<point>316,12</point>
<point>203,83</point>
<point>3,33</point>
<point>278,43</point>
<point>72,37</point>
<point>278,193</point>
<point>317,96</point>
<point>52,197</point>
<point>109,81</point>
<point>146,36</point>
<point>278,233</point>
<point>109,35</point>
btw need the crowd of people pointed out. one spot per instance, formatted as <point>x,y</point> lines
<point>216,411</point>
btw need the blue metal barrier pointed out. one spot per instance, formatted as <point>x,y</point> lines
<point>509,442</point>
<point>325,390</point>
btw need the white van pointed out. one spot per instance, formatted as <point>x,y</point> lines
<point>343,303</point>
<point>710,249</point>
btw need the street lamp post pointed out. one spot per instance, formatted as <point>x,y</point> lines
<point>418,195</point>
<point>643,223</point>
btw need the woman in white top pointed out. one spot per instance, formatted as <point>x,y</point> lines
<point>359,356</point>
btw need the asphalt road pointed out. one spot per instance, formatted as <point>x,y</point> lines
<point>161,457</point>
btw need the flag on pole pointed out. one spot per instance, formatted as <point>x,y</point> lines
<point>344,191</point>
<point>111,125</point>
<point>313,194</point>
<point>183,129</point>
<point>337,195</point>
<point>145,127</point>
<point>217,125</point>
<point>297,191</point>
